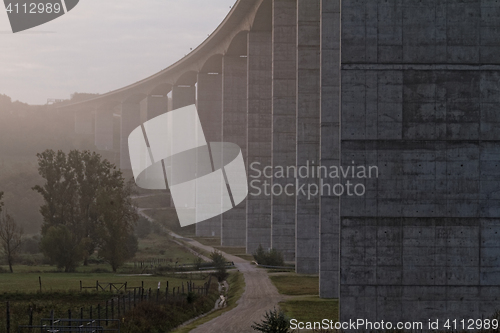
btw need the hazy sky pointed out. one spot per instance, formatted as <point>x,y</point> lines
<point>102,45</point>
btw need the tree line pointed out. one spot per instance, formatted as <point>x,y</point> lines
<point>86,209</point>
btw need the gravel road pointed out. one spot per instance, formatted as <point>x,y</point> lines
<point>260,295</point>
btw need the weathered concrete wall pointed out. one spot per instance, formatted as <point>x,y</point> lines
<point>329,232</point>
<point>259,136</point>
<point>104,129</point>
<point>130,119</point>
<point>234,129</point>
<point>418,102</point>
<point>284,121</point>
<point>308,134</point>
<point>210,112</point>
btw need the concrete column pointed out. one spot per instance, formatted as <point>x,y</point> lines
<point>308,132</point>
<point>84,121</point>
<point>104,129</point>
<point>156,105</point>
<point>130,119</point>
<point>284,122</point>
<point>259,136</point>
<point>234,122</point>
<point>329,270</point>
<point>183,95</point>
<point>210,113</point>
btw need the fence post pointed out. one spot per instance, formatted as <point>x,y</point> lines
<point>69,317</point>
<point>31,316</point>
<point>129,301</point>
<point>107,313</point>
<point>8,317</point>
<point>81,313</point>
<point>90,312</point>
<point>52,319</point>
<point>99,314</point>
<point>80,285</point>
<point>97,285</point>
<point>134,297</point>
<point>112,308</point>
<point>40,283</point>
<point>118,306</point>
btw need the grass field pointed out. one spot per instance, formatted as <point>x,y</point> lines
<point>168,219</point>
<point>160,200</point>
<point>293,284</point>
<point>161,246</point>
<point>311,308</point>
<point>209,241</point>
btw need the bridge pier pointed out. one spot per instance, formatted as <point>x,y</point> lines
<point>234,122</point>
<point>308,136</point>
<point>210,113</point>
<point>130,120</point>
<point>84,119</point>
<point>183,95</point>
<point>259,136</point>
<point>284,123</point>
<point>156,105</point>
<point>104,128</point>
<point>329,230</point>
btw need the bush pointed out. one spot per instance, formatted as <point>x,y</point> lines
<point>274,321</point>
<point>31,245</point>
<point>269,258</point>
<point>142,228</point>
<point>219,262</point>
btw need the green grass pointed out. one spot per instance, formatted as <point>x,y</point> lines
<point>168,219</point>
<point>208,241</point>
<point>311,308</point>
<point>293,284</point>
<point>232,250</point>
<point>157,246</point>
<point>160,200</point>
<point>236,288</point>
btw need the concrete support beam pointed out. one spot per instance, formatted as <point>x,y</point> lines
<point>130,119</point>
<point>104,129</point>
<point>329,270</point>
<point>234,121</point>
<point>183,95</point>
<point>210,113</point>
<point>84,121</point>
<point>259,136</point>
<point>156,105</point>
<point>284,121</point>
<point>308,133</point>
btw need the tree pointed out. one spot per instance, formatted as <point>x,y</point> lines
<point>88,196</point>
<point>274,321</point>
<point>143,227</point>
<point>116,226</point>
<point>11,238</point>
<point>60,245</point>
<point>219,263</point>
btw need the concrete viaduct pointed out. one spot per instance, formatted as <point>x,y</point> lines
<point>409,86</point>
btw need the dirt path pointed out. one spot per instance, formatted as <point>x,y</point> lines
<point>260,295</point>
